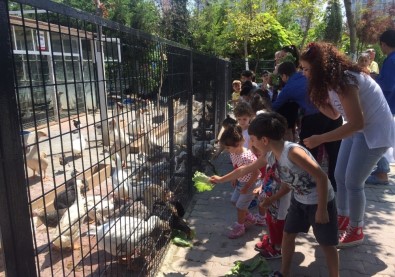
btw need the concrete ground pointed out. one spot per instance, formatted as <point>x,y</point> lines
<point>213,254</point>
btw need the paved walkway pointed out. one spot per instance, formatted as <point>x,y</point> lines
<point>213,254</point>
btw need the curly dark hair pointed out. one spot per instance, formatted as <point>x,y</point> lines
<point>231,136</point>
<point>328,66</point>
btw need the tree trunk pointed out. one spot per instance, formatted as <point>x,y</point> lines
<point>246,53</point>
<point>352,28</point>
<point>308,24</point>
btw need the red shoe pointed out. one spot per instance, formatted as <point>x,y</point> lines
<point>270,252</point>
<point>342,222</point>
<point>353,236</point>
<point>263,243</point>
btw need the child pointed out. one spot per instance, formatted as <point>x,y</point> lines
<point>364,61</point>
<point>236,85</point>
<point>232,140</point>
<point>275,199</point>
<point>228,121</point>
<point>244,113</point>
<point>312,202</point>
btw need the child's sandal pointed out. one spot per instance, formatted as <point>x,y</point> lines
<point>276,274</point>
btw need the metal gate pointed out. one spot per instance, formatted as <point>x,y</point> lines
<point>101,129</point>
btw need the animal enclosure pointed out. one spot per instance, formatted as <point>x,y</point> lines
<point>101,131</point>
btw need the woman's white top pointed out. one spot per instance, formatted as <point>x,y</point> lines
<point>378,128</point>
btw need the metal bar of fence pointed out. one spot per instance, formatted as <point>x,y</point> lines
<point>14,216</point>
<point>133,64</point>
<point>189,108</point>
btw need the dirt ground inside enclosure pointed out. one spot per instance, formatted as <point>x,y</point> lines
<point>88,260</point>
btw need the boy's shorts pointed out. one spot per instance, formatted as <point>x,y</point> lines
<point>300,217</point>
<point>242,201</point>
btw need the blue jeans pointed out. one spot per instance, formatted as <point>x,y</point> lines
<point>354,164</point>
<point>383,166</point>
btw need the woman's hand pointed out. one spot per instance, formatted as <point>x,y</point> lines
<point>313,141</point>
<point>215,179</point>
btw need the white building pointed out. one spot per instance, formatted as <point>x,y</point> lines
<point>379,4</point>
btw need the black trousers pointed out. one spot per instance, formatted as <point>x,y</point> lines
<point>317,124</point>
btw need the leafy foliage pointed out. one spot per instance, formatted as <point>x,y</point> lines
<point>372,24</point>
<point>207,27</point>
<point>264,34</point>
<point>175,22</point>
<point>334,23</point>
<point>303,19</point>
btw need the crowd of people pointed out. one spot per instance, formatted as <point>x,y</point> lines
<point>315,102</point>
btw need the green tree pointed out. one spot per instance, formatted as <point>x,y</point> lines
<point>334,23</point>
<point>351,28</point>
<point>264,35</point>
<point>144,15</point>
<point>175,22</point>
<point>371,25</point>
<point>303,19</point>
<point>207,27</point>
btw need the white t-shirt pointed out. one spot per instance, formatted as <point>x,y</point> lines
<point>303,184</point>
<point>246,137</point>
<point>378,128</point>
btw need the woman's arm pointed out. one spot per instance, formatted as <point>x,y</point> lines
<point>299,157</point>
<point>241,171</point>
<point>355,122</point>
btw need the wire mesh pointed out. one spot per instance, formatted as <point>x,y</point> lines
<point>112,122</point>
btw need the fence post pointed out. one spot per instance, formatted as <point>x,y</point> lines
<point>101,79</point>
<point>189,124</point>
<point>14,214</point>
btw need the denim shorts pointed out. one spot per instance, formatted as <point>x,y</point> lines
<point>242,201</point>
<point>301,216</point>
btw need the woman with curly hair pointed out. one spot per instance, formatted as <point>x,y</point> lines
<point>340,88</point>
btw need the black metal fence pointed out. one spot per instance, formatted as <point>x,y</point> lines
<point>101,129</point>
<point>257,66</point>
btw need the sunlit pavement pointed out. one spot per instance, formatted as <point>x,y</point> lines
<point>213,254</point>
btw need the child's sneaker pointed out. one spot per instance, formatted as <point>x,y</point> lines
<point>260,220</point>
<point>237,231</point>
<point>250,220</point>
<point>263,243</point>
<point>342,222</point>
<point>270,252</point>
<point>353,236</point>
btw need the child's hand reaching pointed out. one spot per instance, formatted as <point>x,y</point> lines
<point>215,179</point>
<point>257,190</point>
